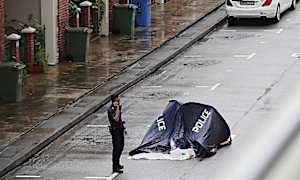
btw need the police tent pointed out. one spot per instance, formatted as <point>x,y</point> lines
<point>184,131</point>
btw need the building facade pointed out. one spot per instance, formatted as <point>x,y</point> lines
<point>62,23</point>
<point>54,15</point>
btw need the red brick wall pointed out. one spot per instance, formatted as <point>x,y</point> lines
<point>62,23</point>
<point>111,3</point>
<point>2,32</point>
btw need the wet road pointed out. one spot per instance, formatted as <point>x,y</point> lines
<point>45,94</point>
<point>245,71</point>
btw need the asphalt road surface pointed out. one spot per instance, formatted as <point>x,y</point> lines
<point>245,71</point>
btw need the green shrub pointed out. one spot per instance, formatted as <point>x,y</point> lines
<point>42,59</point>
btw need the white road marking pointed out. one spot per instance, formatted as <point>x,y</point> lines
<point>96,126</point>
<point>111,177</point>
<point>240,56</point>
<point>229,70</point>
<point>114,175</point>
<point>96,177</point>
<point>251,56</point>
<point>163,72</point>
<point>247,56</point>
<point>215,86</point>
<point>270,30</point>
<point>279,31</point>
<point>288,19</point>
<point>150,87</point>
<point>163,79</point>
<point>199,86</point>
<point>27,176</point>
<point>258,30</point>
<point>228,30</point>
<point>193,56</point>
<point>296,55</point>
<point>262,42</point>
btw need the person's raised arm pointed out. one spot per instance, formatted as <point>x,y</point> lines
<point>118,113</point>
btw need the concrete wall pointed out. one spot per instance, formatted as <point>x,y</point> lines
<point>22,9</point>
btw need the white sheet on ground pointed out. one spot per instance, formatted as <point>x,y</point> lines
<point>176,154</point>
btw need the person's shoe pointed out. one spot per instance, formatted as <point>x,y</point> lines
<point>121,166</point>
<point>117,171</point>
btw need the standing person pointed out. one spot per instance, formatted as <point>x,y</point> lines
<point>117,132</point>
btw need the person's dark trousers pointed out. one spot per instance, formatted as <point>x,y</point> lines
<point>118,145</point>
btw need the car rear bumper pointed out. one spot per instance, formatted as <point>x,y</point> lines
<point>268,12</point>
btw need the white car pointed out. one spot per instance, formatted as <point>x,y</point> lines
<point>257,9</point>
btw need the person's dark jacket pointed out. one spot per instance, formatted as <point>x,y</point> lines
<point>114,125</point>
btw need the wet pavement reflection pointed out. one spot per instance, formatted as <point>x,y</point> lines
<point>45,94</point>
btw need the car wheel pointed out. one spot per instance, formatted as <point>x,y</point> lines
<point>293,5</point>
<point>277,16</point>
<point>232,21</point>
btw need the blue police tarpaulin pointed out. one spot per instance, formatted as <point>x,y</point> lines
<point>157,139</point>
<point>190,125</point>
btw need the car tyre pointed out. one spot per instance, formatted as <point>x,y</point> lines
<point>293,5</point>
<point>232,21</point>
<point>277,15</point>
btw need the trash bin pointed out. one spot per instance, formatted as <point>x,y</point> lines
<point>77,42</point>
<point>143,12</point>
<point>11,81</point>
<point>95,19</point>
<point>124,19</point>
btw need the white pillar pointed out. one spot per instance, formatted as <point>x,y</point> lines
<point>104,29</point>
<point>49,19</point>
<point>160,1</point>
